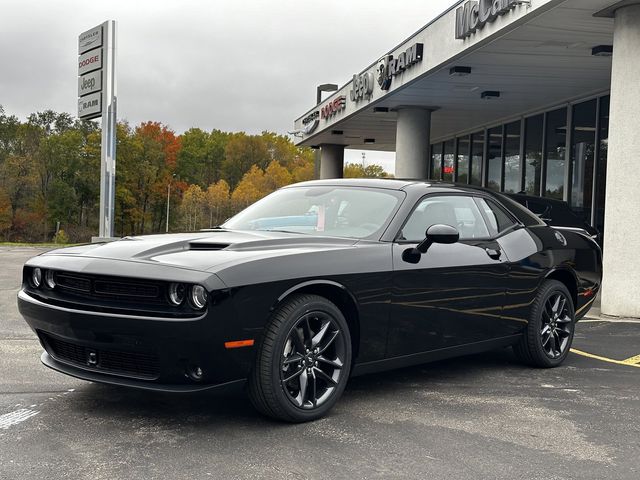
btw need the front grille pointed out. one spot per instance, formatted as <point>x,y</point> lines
<point>110,289</point>
<point>129,364</point>
<point>126,289</point>
<point>73,283</point>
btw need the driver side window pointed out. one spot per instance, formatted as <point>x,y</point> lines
<point>455,210</point>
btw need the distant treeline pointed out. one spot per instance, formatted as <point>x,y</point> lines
<point>50,176</point>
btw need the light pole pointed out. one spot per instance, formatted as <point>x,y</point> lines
<point>325,87</point>
<point>168,198</point>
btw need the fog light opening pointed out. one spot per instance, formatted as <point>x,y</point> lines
<point>195,373</point>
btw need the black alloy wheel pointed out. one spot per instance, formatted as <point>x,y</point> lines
<point>303,360</point>
<point>557,325</point>
<point>547,339</point>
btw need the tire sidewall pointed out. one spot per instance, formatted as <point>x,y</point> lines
<point>316,304</point>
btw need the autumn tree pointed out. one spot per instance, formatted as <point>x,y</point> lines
<point>217,201</point>
<point>355,170</point>
<point>192,207</point>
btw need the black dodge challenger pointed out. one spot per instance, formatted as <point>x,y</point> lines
<point>314,283</point>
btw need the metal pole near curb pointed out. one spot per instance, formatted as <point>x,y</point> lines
<point>98,98</point>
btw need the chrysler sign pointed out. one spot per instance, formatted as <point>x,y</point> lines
<point>474,15</point>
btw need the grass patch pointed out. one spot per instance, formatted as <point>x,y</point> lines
<point>41,245</point>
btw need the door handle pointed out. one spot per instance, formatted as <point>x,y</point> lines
<point>493,253</point>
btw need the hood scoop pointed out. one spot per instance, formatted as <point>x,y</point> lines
<point>207,246</point>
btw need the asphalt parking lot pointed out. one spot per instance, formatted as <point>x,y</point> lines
<point>481,416</point>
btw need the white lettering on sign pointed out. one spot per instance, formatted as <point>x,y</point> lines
<point>90,61</point>
<point>90,83</point>
<point>474,15</point>
<point>90,106</point>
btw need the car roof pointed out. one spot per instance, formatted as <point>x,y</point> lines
<point>391,183</point>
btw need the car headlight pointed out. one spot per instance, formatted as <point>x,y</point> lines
<point>176,293</point>
<point>199,296</point>
<point>49,279</point>
<point>36,277</point>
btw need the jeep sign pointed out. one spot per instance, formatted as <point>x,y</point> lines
<point>90,83</point>
<point>474,15</point>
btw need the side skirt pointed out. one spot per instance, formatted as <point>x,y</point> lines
<point>433,355</point>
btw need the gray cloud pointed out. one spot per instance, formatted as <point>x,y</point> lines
<point>247,65</point>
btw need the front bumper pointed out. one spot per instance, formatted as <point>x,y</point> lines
<point>153,353</point>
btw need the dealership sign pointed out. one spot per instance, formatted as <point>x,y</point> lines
<point>90,83</point>
<point>389,67</point>
<point>474,15</point>
<point>333,107</point>
<point>90,106</point>
<point>90,39</point>
<point>361,87</point>
<point>310,122</point>
<point>90,73</point>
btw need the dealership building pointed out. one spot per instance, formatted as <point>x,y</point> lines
<point>539,96</point>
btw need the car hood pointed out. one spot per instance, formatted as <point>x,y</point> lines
<point>206,251</point>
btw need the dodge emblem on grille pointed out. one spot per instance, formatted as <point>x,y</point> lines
<point>92,359</point>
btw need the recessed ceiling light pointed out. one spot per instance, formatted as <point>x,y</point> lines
<point>602,51</point>
<point>459,71</point>
<point>489,94</point>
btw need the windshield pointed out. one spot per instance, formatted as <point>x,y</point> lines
<point>321,211</point>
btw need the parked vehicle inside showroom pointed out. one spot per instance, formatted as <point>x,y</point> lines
<point>558,214</point>
<point>315,283</point>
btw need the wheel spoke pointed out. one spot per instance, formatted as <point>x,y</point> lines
<point>320,335</point>
<point>565,319</point>
<point>298,340</point>
<point>556,304</point>
<point>337,363</point>
<point>548,337</point>
<point>314,396</point>
<point>556,343</point>
<point>562,306</point>
<point>295,358</point>
<point>563,333</point>
<point>302,396</point>
<point>324,376</point>
<point>330,340</point>
<point>294,375</point>
<point>545,329</point>
<point>307,330</point>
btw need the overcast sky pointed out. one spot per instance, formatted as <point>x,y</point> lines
<point>235,65</point>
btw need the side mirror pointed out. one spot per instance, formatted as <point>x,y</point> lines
<point>444,234</point>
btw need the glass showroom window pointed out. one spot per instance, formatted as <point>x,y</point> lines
<point>448,161</point>
<point>556,137</point>
<point>512,175</point>
<point>533,154</point>
<point>494,159</point>
<point>462,169</point>
<point>583,143</point>
<point>601,177</point>
<point>436,162</point>
<point>477,149</point>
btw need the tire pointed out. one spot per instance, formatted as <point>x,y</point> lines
<point>547,339</point>
<point>303,360</point>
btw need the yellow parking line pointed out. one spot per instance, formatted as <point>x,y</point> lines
<point>632,361</point>
<point>628,362</point>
